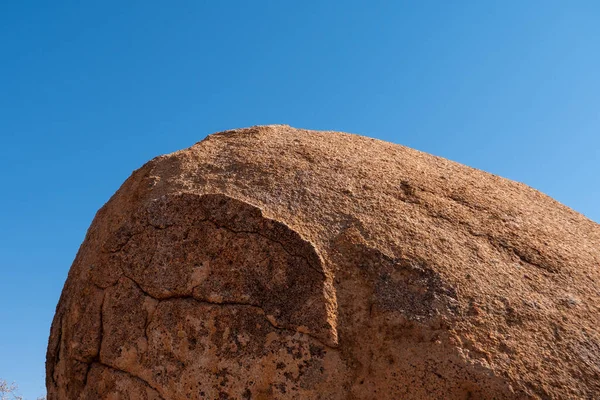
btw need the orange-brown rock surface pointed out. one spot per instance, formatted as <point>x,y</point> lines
<point>278,263</point>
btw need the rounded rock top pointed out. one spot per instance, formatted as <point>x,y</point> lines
<point>280,263</point>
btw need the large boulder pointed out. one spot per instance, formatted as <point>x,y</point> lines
<point>278,263</point>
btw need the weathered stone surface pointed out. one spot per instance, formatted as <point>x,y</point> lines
<point>276,263</point>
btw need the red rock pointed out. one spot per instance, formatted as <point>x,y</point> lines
<point>277,263</point>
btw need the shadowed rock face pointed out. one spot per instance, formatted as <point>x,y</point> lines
<point>277,263</point>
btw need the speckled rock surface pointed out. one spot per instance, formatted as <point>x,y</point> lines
<point>277,263</point>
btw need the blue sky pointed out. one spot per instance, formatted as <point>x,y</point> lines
<point>89,91</point>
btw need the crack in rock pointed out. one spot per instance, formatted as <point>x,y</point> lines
<point>130,375</point>
<point>226,304</point>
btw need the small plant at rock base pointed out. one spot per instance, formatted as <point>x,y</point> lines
<point>8,391</point>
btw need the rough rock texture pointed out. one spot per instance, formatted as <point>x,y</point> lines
<point>277,263</point>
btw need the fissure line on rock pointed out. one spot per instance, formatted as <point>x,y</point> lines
<point>495,242</point>
<point>219,226</point>
<point>96,357</point>
<point>308,263</point>
<point>517,252</point>
<point>222,304</point>
<point>131,375</point>
<point>125,243</point>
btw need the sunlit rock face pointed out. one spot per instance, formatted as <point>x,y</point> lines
<point>278,263</point>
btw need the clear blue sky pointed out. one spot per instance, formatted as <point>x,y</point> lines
<point>89,91</point>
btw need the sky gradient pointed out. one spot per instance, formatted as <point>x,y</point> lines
<point>89,91</point>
